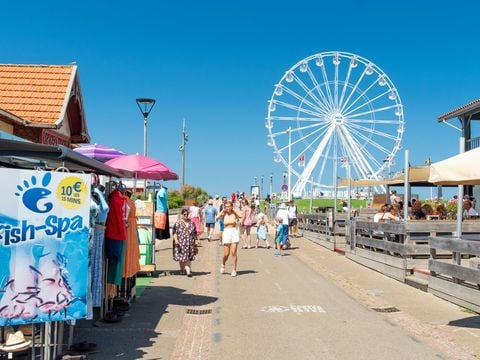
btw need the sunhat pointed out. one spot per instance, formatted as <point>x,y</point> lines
<point>15,342</point>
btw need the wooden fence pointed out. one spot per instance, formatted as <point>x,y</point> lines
<point>322,228</point>
<point>458,280</point>
<point>396,248</point>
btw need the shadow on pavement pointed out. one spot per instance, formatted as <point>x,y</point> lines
<point>136,331</point>
<point>469,322</point>
<point>245,272</point>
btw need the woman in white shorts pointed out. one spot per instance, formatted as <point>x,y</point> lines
<point>230,237</point>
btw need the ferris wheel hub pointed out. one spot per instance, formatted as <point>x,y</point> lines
<point>337,118</point>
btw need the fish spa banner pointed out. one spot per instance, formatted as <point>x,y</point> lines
<point>44,230</point>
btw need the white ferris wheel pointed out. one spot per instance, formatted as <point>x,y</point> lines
<point>332,109</point>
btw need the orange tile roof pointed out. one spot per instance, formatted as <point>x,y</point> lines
<point>35,93</point>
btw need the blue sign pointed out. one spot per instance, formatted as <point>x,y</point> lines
<point>44,231</point>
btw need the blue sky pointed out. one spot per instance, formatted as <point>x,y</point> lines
<point>216,63</point>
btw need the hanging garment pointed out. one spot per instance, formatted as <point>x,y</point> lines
<point>162,234</point>
<point>145,244</point>
<point>115,236</point>
<point>97,265</point>
<point>97,248</point>
<point>132,252</point>
<point>162,200</point>
<point>115,223</point>
<point>116,256</point>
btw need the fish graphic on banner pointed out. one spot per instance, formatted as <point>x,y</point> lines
<point>44,231</point>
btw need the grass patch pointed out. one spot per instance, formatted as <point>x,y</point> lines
<point>303,205</point>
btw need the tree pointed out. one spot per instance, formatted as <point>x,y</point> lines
<point>194,193</point>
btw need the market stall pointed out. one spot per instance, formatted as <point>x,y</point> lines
<point>46,232</point>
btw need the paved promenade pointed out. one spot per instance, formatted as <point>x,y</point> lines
<point>309,304</point>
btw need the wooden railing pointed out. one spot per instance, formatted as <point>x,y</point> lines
<point>458,280</point>
<point>322,228</point>
<point>396,248</point>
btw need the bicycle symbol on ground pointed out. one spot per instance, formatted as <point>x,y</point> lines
<point>293,308</point>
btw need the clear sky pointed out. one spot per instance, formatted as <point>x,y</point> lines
<point>215,64</point>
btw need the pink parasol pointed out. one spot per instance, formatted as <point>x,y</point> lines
<point>99,152</point>
<point>143,167</point>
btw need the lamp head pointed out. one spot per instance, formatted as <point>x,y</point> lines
<point>145,105</point>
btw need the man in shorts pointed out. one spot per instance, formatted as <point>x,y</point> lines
<point>210,213</point>
<point>292,218</point>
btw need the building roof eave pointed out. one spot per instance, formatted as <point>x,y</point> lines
<point>472,107</point>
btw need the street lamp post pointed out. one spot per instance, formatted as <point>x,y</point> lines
<point>182,149</point>
<point>271,184</point>
<point>145,105</point>
<point>261,187</point>
<point>289,193</point>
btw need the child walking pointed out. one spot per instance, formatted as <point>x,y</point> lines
<point>278,236</point>
<point>262,230</point>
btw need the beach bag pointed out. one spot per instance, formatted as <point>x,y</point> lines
<point>160,220</point>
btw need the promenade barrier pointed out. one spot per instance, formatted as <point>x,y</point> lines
<point>396,248</point>
<point>323,228</point>
<point>457,280</point>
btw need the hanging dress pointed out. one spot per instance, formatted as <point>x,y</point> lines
<point>131,263</point>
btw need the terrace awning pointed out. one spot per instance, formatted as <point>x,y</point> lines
<point>417,176</point>
<point>461,169</point>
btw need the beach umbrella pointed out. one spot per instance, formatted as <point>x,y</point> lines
<point>99,152</point>
<point>143,167</point>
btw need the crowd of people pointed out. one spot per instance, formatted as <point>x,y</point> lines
<point>236,218</point>
<point>418,211</point>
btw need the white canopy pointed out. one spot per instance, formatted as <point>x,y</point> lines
<point>461,169</point>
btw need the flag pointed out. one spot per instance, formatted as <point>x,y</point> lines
<point>301,160</point>
<point>428,161</point>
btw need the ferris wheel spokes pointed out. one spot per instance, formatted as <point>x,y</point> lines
<point>327,86</point>
<point>372,121</point>
<point>360,158</point>
<point>297,108</point>
<point>308,92</point>
<point>320,109</point>
<point>354,89</point>
<point>318,89</point>
<point>344,90</point>
<point>373,131</point>
<point>366,103</point>
<point>304,176</point>
<point>372,111</point>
